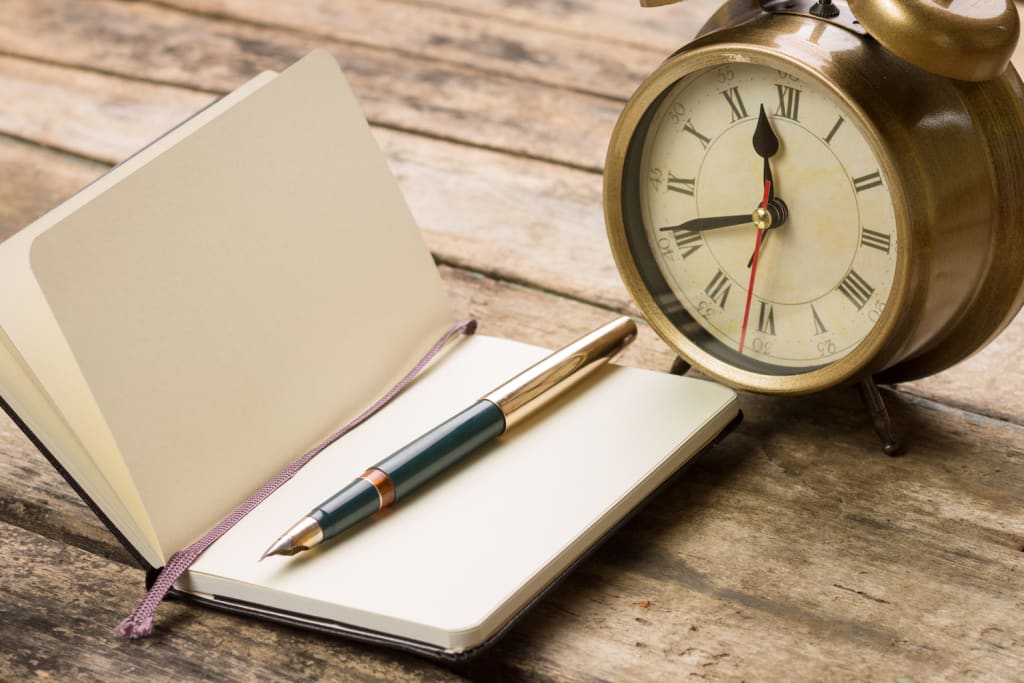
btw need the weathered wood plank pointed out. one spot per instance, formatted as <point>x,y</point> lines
<point>610,21</point>
<point>990,382</point>
<point>510,218</point>
<point>795,550</point>
<point>431,97</point>
<point>490,43</point>
<point>94,115</point>
<point>35,180</point>
<point>61,604</point>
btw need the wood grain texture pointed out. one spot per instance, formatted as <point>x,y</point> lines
<point>435,98</point>
<point>608,21</point>
<point>70,636</point>
<point>798,550</point>
<point>489,43</point>
<point>35,179</point>
<point>794,551</point>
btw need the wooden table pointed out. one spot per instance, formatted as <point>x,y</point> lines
<point>795,551</point>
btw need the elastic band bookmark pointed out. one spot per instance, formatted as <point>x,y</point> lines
<point>139,623</point>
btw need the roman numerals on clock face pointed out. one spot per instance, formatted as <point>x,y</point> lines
<point>824,275</point>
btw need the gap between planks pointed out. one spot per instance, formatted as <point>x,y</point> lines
<point>412,54</point>
<point>33,59</point>
<point>374,123</point>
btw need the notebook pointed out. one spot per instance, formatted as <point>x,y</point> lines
<point>180,330</point>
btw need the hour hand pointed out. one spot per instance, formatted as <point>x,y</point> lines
<point>766,144</point>
<point>711,223</point>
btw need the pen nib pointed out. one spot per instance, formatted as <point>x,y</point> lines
<point>303,536</point>
<point>282,546</point>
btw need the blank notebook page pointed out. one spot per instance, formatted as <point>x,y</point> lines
<point>452,562</point>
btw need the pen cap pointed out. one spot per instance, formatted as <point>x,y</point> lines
<point>538,384</point>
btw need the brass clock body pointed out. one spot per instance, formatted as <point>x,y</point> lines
<point>950,170</point>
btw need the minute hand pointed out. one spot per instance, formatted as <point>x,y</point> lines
<point>711,223</point>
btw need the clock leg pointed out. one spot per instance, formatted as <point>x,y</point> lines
<point>880,419</point>
<point>679,366</point>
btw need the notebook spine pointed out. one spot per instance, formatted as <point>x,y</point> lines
<point>41,447</point>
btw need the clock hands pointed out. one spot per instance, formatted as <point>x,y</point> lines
<point>770,213</point>
<point>712,222</point>
<point>761,232</point>
<point>766,144</point>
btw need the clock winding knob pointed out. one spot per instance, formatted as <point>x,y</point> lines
<point>824,9</point>
<point>964,40</point>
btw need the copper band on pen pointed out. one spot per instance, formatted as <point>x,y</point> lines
<point>382,482</point>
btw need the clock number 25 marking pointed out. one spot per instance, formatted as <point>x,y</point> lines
<point>826,347</point>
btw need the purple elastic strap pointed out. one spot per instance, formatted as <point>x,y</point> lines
<point>139,623</point>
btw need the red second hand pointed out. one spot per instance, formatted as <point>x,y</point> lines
<point>753,268</point>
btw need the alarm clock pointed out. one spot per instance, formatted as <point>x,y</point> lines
<point>813,193</point>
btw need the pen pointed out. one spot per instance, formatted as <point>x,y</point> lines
<point>411,466</point>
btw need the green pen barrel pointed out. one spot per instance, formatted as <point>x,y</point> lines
<point>443,446</point>
<point>346,508</point>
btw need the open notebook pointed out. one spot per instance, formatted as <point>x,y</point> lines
<point>180,330</point>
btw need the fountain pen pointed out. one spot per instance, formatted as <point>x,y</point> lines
<point>414,464</point>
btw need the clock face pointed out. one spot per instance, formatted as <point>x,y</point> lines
<point>717,146</point>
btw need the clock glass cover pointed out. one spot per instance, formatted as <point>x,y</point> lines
<point>731,148</point>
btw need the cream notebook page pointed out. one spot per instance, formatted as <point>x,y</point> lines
<point>242,295</point>
<point>450,564</point>
<point>38,373</point>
